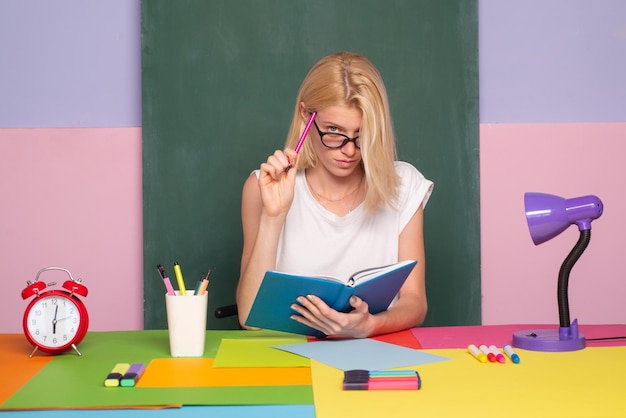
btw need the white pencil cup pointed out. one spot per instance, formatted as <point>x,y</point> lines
<point>186,323</point>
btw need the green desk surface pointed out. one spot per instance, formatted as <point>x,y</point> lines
<point>71,381</point>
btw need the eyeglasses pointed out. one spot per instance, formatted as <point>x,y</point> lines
<point>335,140</point>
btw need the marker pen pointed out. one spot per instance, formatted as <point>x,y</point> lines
<point>391,373</point>
<point>179,278</point>
<point>381,380</point>
<point>197,288</point>
<point>473,350</point>
<point>203,287</point>
<point>132,376</point>
<point>499,356</point>
<point>303,137</point>
<point>393,384</point>
<point>113,378</point>
<point>166,280</point>
<point>490,356</point>
<point>512,355</point>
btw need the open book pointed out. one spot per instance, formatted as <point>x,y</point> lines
<point>272,306</point>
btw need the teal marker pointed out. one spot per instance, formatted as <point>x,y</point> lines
<point>392,373</point>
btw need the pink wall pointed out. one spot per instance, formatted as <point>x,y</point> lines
<point>552,113</point>
<point>519,279</point>
<point>72,199</point>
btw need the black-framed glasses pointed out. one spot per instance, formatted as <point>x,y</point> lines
<point>336,140</point>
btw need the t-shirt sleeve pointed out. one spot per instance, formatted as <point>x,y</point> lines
<point>415,190</point>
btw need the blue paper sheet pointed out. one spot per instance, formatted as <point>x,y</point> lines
<point>365,354</point>
<point>257,411</point>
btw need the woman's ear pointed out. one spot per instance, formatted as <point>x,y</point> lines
<point>304,112</point>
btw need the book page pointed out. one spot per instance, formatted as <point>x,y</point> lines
<point>370,273</point>
<point>320,276</point>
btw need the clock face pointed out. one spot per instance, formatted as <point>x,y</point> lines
<point>54,322</point>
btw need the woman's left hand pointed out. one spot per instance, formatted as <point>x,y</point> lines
<point>315,313</point>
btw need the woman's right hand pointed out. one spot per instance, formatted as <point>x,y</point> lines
<point>276,183</point>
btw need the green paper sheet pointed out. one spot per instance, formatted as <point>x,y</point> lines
<point>258,352</point>
<point>70,381</point>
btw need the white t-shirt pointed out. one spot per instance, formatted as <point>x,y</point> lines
<point>315,241</point>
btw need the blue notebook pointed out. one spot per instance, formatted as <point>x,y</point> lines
<point>272,307</point>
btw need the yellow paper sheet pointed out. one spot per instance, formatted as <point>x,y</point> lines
<point>197,372</point>
<point>585,383</point>
<point>258,352</point>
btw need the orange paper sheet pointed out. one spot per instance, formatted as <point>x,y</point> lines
<point>16,367</point>
<point>198,372</point>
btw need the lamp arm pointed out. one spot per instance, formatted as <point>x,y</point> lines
<point>566,268</point>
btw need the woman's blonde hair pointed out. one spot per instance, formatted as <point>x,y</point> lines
<point>350,79</point>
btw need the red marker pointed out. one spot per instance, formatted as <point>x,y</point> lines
<point>490,356</point>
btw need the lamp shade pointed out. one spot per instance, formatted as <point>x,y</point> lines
<point>548,215</point>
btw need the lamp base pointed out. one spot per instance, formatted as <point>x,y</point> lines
<point>563,339</point>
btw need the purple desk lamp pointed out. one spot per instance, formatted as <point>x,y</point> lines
<point>547,217</point>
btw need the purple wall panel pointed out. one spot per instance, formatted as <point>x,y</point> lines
<point>552,61</point>
<point>72,63</point>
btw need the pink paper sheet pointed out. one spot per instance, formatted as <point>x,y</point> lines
<point>462,336</point>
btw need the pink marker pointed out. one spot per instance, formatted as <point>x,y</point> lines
<point>166,280</point>
<point>393,384</point>
<point>497,353</point>
<point>381,380</point>
<point>303,137</point>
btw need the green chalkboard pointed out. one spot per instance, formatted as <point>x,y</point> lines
<point>219,80</point>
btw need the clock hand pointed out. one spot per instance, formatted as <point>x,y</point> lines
<point>54,321</point>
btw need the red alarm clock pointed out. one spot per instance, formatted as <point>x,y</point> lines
<point>55,321</point>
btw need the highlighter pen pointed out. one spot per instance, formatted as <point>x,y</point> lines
<point>499,356</point>
<point>197,288</point>
<point>166,280</point>
<point>393,384</point>
<point>473,350</point>
<point>205,282</point>
<point>198,284</point>
<point>203,287</point>
<point>387,380</point>
<point>132,376</point>
<point>303,137</point>
<point>490,356</point>
<point>179,278</point>
<point>113,378</point>
<point>512,355</point>
<point>391,373</point>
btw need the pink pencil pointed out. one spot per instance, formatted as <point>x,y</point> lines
<point>303,136</point>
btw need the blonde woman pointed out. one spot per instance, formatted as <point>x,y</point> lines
<point>347,205</point>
